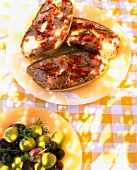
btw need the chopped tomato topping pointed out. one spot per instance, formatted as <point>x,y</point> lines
<point>61,79</point>
<point>62,62</point>
<point>48,66</point>
<point>68,84</point>
<point>54,71</point>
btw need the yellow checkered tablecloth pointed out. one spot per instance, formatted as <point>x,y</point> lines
<point>107,128</point>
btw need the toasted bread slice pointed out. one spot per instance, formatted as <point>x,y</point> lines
<point>67,71</point>
<point>49,28</point>
<point>94,37</point>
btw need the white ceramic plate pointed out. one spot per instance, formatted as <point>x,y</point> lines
<point>54,122</point>
<point>102,86</point>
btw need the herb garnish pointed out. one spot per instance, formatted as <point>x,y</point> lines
<point>88,32</point>
<point>102,29</point>
<point>67,79</point>
<point>46,10</point>
<point>89,77</point>
<point>26,133</point>
<point>8,150</point>
<point>45,130</point>
<point>85,65</point>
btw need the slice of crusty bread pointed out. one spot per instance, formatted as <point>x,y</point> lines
<point>67,71</point>
<point>94,37</point>
<point>49,28</point>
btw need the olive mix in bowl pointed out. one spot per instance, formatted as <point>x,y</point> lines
<point>31,148</point>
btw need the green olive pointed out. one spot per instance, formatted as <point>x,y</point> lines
<point>41,168</point>
<point>17,163</point>
<point>59,138</point>
<point>27,144</point>
<point>11,134</point>
<point>38,166</point>
<point>48,160</point>
<point>36,130</point>
<point>3,166</point>
<point>42,140</point>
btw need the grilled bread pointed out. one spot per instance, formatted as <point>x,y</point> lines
<point>49,28</point>
<point>67,71</point>
<point>94,37</point>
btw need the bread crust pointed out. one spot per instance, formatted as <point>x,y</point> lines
<point>49,28</point>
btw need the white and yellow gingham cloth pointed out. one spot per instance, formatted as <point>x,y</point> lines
<point>107,128</point>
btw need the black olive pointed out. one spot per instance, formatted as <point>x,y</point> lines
<point>7,158</point>
<point>59,153</point>
<point>51,146</point>
<point>15,152</point>
<point>4,143</point>
<point>27,165</point>
<point>1,156</point>
<point>57,166</point>
<point>18,126</point>
<point>17,141</point>
<point>0,146</point>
